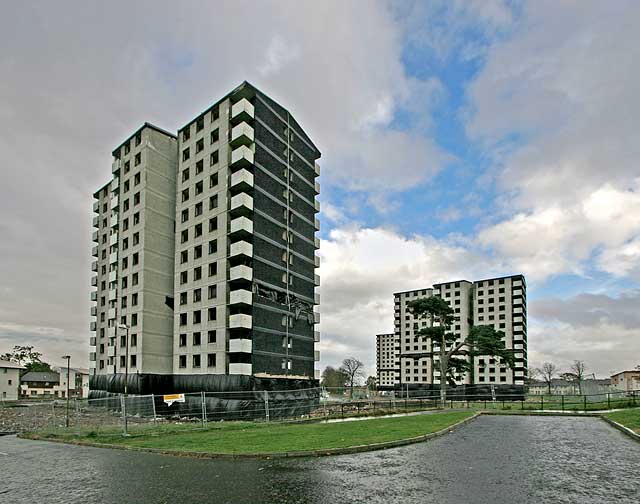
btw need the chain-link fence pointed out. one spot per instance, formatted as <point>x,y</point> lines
<point>160,413</point>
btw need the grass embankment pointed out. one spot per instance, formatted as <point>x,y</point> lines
<point>629,418</point>
<point>252,438</point>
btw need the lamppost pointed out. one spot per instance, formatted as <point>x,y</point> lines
<point>126,375</point>
<point>66,420</point>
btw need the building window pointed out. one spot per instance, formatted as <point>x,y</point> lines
<point>198,209</point>
<point>134,299</point>
<point>211,336</point>
<point>183,319</point>
<point>199,167</point>
<point>185,154</point>
<point>134,320</point>
<point>197,273</point>
<point>183,340</point>
<point>184,236</point>
<point>211,313</point>
<point>214,158</point>
<point>137,159</point>
<point>182,361</point>
<point>136,218</point>
<point>196,361</point>
<point>199,188</point>
<point>197,295</point>
<point>134,339</point>
<point>134,279</point>
<point>136,238</point>
<point>185,174</point>
<point>185,194</point>
<point>211,360</point>
<point>198,230</point>
<point>213,224</point>
<point>186,134</point>
<point>213,202</point>
<point>213,246</point>
<point>199,124</point>
<point>197,252</point>
<point>213,291</point>
<point>213,180</point>
<point>184,277</point>
<point>184,256</point>
<point>215,135</point>
<point>200,145</point>
<point>215,114</point>
<point>213,269</point>
<point>183,298</point>
<point>196,339</point>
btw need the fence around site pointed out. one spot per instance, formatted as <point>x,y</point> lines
<point>152,413</point>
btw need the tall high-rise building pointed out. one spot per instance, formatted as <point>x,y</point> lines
<point>217,246</point>
<point>499,302</point>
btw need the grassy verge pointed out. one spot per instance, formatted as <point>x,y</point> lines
<point>251,438</point>
<point>629,418</point>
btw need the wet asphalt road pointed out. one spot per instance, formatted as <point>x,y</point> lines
<point>499,459</point>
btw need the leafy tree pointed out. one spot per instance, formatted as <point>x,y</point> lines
<point>576,374</point>
<point>454,352</point>
<point>333,378</point>
<point>26,356</point>
<point>354,369</point>
<point>548,371</point>
<point>372,383</point>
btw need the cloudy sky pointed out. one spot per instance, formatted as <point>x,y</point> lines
<point>460,139</point>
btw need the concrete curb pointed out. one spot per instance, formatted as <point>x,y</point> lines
<point>540,413</point>
<point>269,455</point>
<point>622,428</point>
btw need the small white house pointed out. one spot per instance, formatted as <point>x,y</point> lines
<point>9,380</point>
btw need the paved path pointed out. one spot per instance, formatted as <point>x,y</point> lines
<point>497,459</point>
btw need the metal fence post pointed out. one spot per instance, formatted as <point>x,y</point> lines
<point>584,399</point>
<point>562,401</point>
<point>153,404</point>
<point>123,409</point>
<point>542,402</point>
<point>266,405</point>
<point>203,408</point>
<point>608,400</point>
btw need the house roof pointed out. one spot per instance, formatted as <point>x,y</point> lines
<point>40,376</point>
<point>633,371</point>
<point>10,365</point>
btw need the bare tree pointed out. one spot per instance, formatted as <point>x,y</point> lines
<point>576,373</point>
<point>354,369</point>
<point>548,371</point>
<point>532,375</point>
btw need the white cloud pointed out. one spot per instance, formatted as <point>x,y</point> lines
<point>602,330</point>
<point>552,240</point>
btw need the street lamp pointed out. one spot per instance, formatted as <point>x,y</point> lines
<point>66,421</point>
<point>126,375</point>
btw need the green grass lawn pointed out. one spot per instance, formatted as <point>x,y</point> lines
<point>629,418</point>
<point>245,437</point>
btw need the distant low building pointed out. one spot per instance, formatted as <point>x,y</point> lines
<point>566,387</point>
<point>626,380</point>
<point>53,384</point>
<point>40,384</point>
<point>78,382</point>
<point>9,380</point>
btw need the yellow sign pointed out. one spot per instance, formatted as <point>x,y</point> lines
<point>169,399</point>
